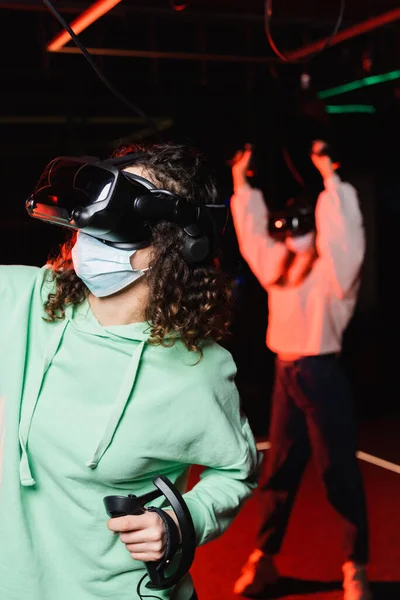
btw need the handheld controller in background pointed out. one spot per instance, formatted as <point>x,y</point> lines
<point>251,170</point>
<point>328,150</point>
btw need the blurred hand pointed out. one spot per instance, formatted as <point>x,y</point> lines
<point>240,167</point>
<point>144,535</point>
<point>322,163</point>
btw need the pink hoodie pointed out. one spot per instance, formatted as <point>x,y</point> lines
<point>308,318</point>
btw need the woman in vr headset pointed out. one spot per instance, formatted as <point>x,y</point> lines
<point>111,374</point>
<point>312,280</point>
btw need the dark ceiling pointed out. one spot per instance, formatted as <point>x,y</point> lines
<point>219,44</point>
<point>205,71</point>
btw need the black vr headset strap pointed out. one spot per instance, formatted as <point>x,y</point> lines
<point>163,205</point>
<point>154,205</point>
<point>128,160</point>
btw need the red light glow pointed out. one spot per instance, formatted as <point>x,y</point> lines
<point>89,16</point>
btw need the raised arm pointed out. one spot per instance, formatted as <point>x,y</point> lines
<point>264,255</point>
<point>340,232</point>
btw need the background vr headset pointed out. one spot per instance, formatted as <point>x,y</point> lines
<point>120,208</point>
<point>298,217</point>
<point>292,221</point>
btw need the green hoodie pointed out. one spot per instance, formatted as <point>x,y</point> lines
<point>87,411</point>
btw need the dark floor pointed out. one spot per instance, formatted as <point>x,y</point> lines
<point>311,557</point>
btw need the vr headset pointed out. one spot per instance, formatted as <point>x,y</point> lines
<point>99,198</point>
<point>298,217</point>
<point>295,220</point>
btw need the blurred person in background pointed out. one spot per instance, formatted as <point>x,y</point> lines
<point>312,280</point>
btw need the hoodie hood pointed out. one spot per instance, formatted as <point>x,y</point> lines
<point>82,319</point>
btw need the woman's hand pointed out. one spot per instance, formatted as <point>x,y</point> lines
<point>240,166</point>
<point>144,535</point>
<point>322,163</point>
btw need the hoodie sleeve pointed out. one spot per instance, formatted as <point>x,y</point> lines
<point>225,446</point>
<point>16,285</point>
<point>263,254</point>
<point>340,233</point>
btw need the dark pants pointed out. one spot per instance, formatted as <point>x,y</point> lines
<point>312,413</point>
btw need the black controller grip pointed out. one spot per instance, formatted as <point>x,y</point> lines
<point>119,506</point>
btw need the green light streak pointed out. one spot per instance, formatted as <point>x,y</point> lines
<point>359,83</point>
<point>342,109</point>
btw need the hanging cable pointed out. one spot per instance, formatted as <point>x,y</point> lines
<point>140,594</point>
<point>99,73</point>
<point>282,132</point>
<point>281,55</point>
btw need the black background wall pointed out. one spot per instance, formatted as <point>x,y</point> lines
<point>217,107</point>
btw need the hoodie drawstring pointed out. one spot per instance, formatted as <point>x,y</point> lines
<point>119,407</point>
<point>25,472</point>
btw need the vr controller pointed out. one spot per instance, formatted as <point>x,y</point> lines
<point>118,506</point>
<point>328,150</point>
<point>251,170</point>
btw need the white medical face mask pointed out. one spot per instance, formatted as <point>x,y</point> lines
<point>301,243</point>
<point>103,269</point>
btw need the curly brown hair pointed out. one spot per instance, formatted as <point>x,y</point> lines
<point>187,301</point>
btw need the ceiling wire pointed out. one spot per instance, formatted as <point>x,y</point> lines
<point>99,73</point>
<point>284,57</point>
